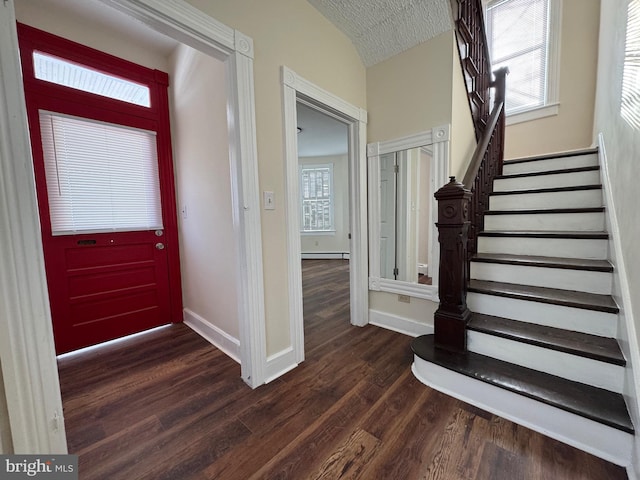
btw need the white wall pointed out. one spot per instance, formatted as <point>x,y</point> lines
<point>42,14</point>
<point>411,92</point>
<point>338,243</point>
<point>622,142</point>
<point>294,34</point>
<point>208,247</point>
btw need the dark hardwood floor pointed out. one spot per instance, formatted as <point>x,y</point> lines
<point>170,406</point>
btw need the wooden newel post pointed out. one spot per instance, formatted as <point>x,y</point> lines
<point>452,315</point>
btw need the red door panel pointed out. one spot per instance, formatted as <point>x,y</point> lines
<point>116,285</point>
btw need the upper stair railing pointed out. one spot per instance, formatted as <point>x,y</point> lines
<point>461,206</point>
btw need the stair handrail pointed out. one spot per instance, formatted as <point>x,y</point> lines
<point>486,163</point>
<point>461,206</point>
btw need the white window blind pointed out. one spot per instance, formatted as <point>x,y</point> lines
<point>68,74</point>
<point>317,198</point>
<point>518,35</point>
<point>630,100</point>
<point>100,177</point>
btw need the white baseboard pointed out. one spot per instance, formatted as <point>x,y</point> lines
<point>595,438</point>
<point>280,363</point>
<point>217,337</point>
<point>325,255</point>
<point>398,324</point>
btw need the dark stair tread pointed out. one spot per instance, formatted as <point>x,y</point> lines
<point>576,343</point>
<point>550,156</point>
<point>549,262</point>
<point>534,211</point>
<point>545,234</point>
<point>573,188</point>
<point>548,172</point>
<point>587,401</point>
<point>567,298</point>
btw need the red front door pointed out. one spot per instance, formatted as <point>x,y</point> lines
<point>104,178</point>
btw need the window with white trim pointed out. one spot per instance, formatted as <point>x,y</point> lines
<point>316,192</point>
<point>522,36</point>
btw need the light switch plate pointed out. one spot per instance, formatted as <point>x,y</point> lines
<point>269,200</point>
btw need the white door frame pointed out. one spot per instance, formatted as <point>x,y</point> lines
<point>296,87</point>
<point>27,353</point>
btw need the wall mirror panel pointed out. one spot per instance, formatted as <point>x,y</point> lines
<point>403,248</point>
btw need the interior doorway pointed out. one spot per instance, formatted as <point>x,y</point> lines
<point>298,90</point>
<point>323,154</point>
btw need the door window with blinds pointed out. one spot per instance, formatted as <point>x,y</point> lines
<point>316,190</point>
<point>101,177</point>
<point>522,37</point>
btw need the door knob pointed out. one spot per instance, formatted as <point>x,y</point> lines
<point>160,246</point>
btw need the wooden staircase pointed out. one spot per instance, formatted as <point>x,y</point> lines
<point>541,335</point>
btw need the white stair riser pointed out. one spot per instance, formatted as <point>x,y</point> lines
<point>562,278</point>
<point>568,318</point>
<point>570,199</point>
<point>572,367</point>
<point>591,177</point>
<point>594,249</point>
<point>557,222</point>
<point>551,164</point>
<point>593,437</point>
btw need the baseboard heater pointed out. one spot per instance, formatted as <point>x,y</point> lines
<point>325,255</point>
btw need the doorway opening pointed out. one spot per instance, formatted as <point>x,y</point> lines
<point>101,145</point>
<point>313,100</point>
<point>323,162</point>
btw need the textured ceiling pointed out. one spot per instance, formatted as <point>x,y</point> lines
<point>380,29</point>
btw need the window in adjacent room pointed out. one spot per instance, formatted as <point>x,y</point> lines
<point>523,36</point>
<point>316,190</point>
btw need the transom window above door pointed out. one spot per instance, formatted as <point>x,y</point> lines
<point>63,72</point>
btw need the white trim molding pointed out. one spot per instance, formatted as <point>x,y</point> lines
<point>214,335</point>
<point>298,89</point>
<point>26,337</point>
<point>627,332</point>
<point>27,353</point>
<point>187,24</point>
<point>399,324</point>
<point>438,139</point>
<point>280,363</point>
<point>534,114</point>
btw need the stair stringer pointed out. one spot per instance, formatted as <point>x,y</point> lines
<point>593,437</point>
<point>627,334</point>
